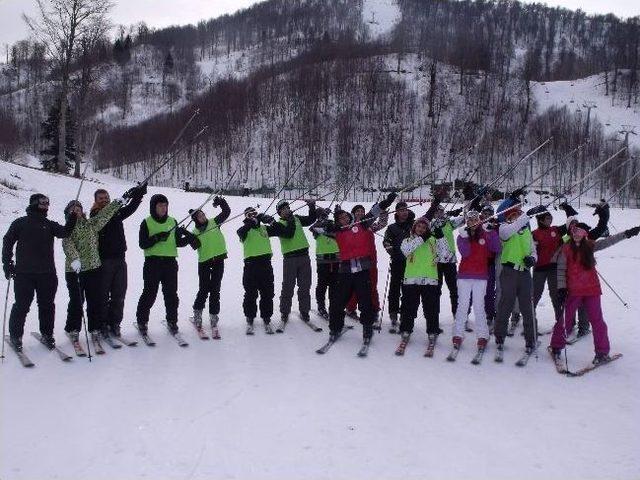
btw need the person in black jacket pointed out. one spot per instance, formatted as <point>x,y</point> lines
<point>160,237</point>
<point>393,237</point>
<point>112,248</point>
<point>34,269</point>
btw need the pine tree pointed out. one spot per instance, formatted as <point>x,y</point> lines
<point>50,135</point>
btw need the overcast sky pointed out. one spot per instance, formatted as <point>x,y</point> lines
<point>160,13</point>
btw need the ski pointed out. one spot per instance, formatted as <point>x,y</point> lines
<point>24,360</point>
<point>402,347</point>
<point>453,354</point>
<point>309,323</point>
<point>268,329</point>
<point>250,329</point>
<point>557,361</point>
<point>215,333</point>
<point>524,359</point>
<point>61,353</point>
<point>200,329</point>
<point>125,341</point>
<point>431,346</point>
<point>111,342</point>
<point>282,325</point>
<point>325,348</point>
<point>148,341</point>
<point>178,338</point>
<point>97,346</point>
<point>477,359</point>
<point>364,349</point>
<point>592,367</point>
<point>499,353</point>
<point>77,347</point>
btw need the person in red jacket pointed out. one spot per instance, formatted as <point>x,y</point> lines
<point>476,246</point>
<point>353,271</point>
<point>578,284</point>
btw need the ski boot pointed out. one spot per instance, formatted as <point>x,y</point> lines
<point>114,330</point>
<point>197,318</point>
<point>173,327</point>
<point>213,320</point>
<point>49,341</point>
<point>249,326</point>
<point>268,329</point>
<point>74,336</point>
<point>601,358</point>
<point>16,343</point>
<point>322,311</point>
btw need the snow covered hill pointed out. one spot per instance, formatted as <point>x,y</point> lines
<point>268,407</point>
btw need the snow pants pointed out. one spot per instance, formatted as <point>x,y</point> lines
<point>594,314</point>
<point>515,284</point>
<point>210,275</point>
<point>296,270</point>
<point>155,272</point>
<point>257,279</point>
<point>25,286</point>
<point>85,286</point>
<point>466,288</point>
<point>358,283</point>
<point>448,273</point>
<point>327,278</point>
<point>412,295</point>
<point>114,289</point>
<point>375,299</point>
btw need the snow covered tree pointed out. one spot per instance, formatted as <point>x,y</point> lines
<point>51,135</point>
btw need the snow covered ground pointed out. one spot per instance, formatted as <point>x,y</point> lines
<point>268,407</point>
<point>380,16</point>
<point>575,94</point>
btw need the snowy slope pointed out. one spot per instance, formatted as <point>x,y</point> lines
<point>270,408</point>
<point>380,16</point>
<point>591,90</point>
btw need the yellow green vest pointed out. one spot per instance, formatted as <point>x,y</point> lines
<point>165,248</point>
<point>212,242</point>
<point>422,262</point>
<point>297,242</point>
<point>516,248</point>
<point>326,245</point>
<point>256,243</point>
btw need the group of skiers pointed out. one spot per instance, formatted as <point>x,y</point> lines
<point>497,250</point>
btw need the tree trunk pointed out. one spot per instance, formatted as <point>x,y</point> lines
<point>62,131</point>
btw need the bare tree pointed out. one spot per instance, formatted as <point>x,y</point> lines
<point>62,26</point>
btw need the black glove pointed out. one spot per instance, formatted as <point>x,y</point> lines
<point>562,294</point>
<point>529,261</point>
<point>129,193</point>
<point>515,195</point>
<point>438,233</point>
<point>386,203</point>
<point>160,237</point>
<point>217,200</point>
<point>455,213</point>
<point>9,269</point>
<point>425,236</point>
<point>251,222</point>
<point>323,213</point>
<point>632,232</point>
<point>267,219</point>
<point>184,232</point>
<point>536,210</point>
<point>142,189</point>
<point>568,209</point>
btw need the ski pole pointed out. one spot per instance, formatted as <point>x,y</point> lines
<point>84,321</point>
<point>174,154</point>
<point>393,211</point>
<point>585,190</point>
<point>384,298</point>
<point>84,171</point>
<point>626,184</point>
<point>317,199</point>
<point>284,185</point>
<point>4,319</point>
<point>233,218</point>
<point>613,290</point>
<point>308,191</point>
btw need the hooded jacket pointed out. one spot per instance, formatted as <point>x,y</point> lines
<point>34,234</point>
<point>145,241</point>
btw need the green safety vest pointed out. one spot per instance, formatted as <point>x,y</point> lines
<point>422,262</point>
<point>326,245</point>
<point>448,234</point>
<point>516,248</point>
<point>256,243</point>
<point>166,248</point>
<point>212,242</point>
<point>297,242</point>
<point>565,238</point>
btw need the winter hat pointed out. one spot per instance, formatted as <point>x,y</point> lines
<point>424,220</point>
<point>357,207</point>
<point>401,205</point>
<point>34,199</point>
<point>70,205</point>
<point>249,210</point>
<point>194,215</point>
<point>281,204</point>
<point>155,200</point>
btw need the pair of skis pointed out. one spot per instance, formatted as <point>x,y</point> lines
<point>476,360</point>
<point>309,323</point>
<point>26,361</point>
<point>431,345</point>
<point>177,336</point>
<point>562,369</point>
<point>521,362</point>
<point>202,333</point>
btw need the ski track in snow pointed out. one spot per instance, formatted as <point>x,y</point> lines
<point>268,407</point>
<point>380,16</point>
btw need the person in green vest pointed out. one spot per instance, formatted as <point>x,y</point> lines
<point>296,264</point>
<point>517,258</point>
<point>327,263</point>
<point>160,237</point>
<point>420,282</point>
<point>212,252</point>
<point>446,252</point>
<point>257,276</point>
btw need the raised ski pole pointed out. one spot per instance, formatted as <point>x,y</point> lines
<point>4,319</point>
<point>582,191</point>
<point>234,217</point>
<point>613,290</point>
<point>626,184</point>
<point>321,197</point>
<point>84,171</point>
<point>284,185</point>
<point>391,212</point>
<point>466,180</point>
<point>309,190</point>
<point>384,298</point>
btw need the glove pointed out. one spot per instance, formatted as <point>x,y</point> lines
<point>438,232</point>
<point>455,213</point>
<point>563,293</point>
<point>184,232</point>
<point>386,203</point>
<point>130,193</point>
<point>632,232</point>
<point>76,266</point>
<point>160,237</point>
<point>425,236</point>
<point>142,189</point>
<point>517,193</point>
<point>568,209</point>
<point>323,213</point>
<point>251,222</point>
<point>529,261</point>
<point>217,200</point>
<point>264,218</point>
<point>536,210</point>
<point>121,200</point>
<point>9,269</point>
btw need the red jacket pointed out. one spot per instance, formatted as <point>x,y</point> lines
<point>354,242</point>
<point>580,281</point>
<point>548,241</point>
<point>476,254</point>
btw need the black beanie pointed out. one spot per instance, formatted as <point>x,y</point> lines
<point>401,205</point>
<point>356,207</point>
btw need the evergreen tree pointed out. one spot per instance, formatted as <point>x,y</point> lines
<point>50,133</point>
